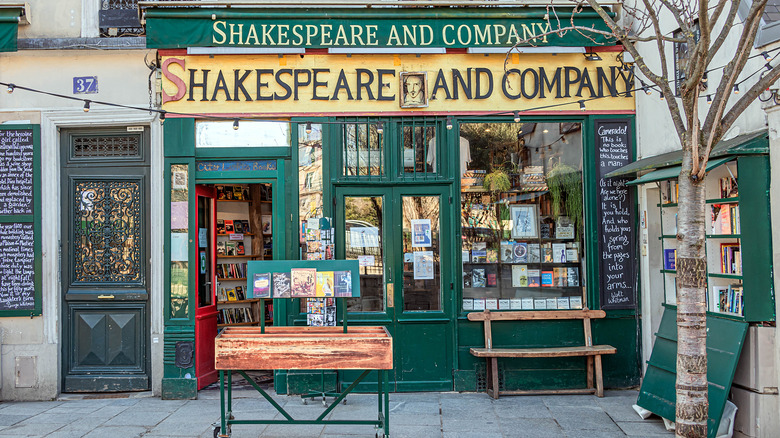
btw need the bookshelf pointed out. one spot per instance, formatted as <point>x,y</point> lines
<point>738,258</point>
<point>241,210</point>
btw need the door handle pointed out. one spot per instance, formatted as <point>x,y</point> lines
<point>105,297</point>
<point>390,295</point>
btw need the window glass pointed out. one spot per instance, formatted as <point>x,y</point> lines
<point>422,272</point>
<point>250,133</point>
<point>681,55</point>
<point>362,146</point>
<point>179,242</point>
<point>363,241</point>
<point>522,216</point>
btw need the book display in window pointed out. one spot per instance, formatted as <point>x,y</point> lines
<point>521,218</point>
<point>738,258</point>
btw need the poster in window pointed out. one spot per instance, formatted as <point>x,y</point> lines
<point>524,223</point>
<point>421,233</point>
<point>179,180</point>
<point>423,265</point>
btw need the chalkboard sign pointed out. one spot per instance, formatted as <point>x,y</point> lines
<point>616,216</point>
<point>16,171</point>
<point>20,220</point>
<point>17,269</point>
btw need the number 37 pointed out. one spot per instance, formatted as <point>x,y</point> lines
<point>85,85</point>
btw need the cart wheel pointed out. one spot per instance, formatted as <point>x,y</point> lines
<point>216,432</point>
<point>344,401</point>
<point>324,403</point>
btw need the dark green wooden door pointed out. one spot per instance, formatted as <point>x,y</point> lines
<point>105,262</point>
<point>400,236</point>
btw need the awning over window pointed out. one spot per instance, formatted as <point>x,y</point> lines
<point>674,171</point>
<point>745,144</point>
<point>9,25</point>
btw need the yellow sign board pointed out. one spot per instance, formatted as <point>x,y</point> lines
<point>319,84</point>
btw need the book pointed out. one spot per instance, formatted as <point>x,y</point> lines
<point>492,256</point>
<point>563,302</point>
<point>238,226</point>
<point>547,278</point>
<point>490,279</point>
<point>491,303</point>
<point>265,224</point>
<point>572,255</point>
<point>281,285</point>
<point>240,293</point>
<point>560,277</point>
<point>534,278</point>
<point>220,226</point>
<point>519,275</point>
<point>239,248</point>
<point>479,256</point>
<point>670,259</point>
<point>231,248</point>
<point>575,302</point>
<point>220,193</point>
<point>464,256</point>
<point>245,224</point>
<point>515,304</point>
<point>534,253</point>
<point>228,191</point>
<point>552,303</point>
<point>324,284</point>
<point>238,193</point>
<point>228,226</point>
<point>540,303</point>
<point>231,295</point>
<point>478,277</point>
<point>564,228</point>
<point>468,304</point>
<point>573,277</point>
<point>261,285</point>
<point>221,248</point>
<point>559,252</point>
<point>503,304</point>
<point>547,253</point>
<point>527,303</point>
<point>521,252</point>
<point>467,278</point>
<point>479,304</point>
<point>304,282</point>
<point>342,283</point>
<point>507,252</point>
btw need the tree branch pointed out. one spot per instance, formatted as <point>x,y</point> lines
<point>724,32</point>
<point>750,96</point>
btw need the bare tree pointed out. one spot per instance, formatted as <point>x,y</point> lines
<point>704,27</point>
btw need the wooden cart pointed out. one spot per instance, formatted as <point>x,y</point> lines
<point>304,348</point>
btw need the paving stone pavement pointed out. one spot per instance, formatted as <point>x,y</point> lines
<point>412,415</point>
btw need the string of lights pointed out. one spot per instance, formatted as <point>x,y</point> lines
<point>88,103</point>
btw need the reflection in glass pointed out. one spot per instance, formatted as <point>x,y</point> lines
<point>419,153</point>
<point>107,232</point>
<point>363,155</point>
<point>178,241</point>
<point>422,273</point>
<point>363,241</point>
<point>309,172</point>
<point>522,217</point>
<point>250,133</point>
<point>205,291</point>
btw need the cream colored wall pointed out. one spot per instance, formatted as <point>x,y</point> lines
<point>56,18</point>
<point>122,78</point>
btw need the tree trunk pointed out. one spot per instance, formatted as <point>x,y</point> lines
<point>692,404</point>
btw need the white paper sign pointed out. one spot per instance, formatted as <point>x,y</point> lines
<point>423,265</point>
<point>203,237</point>
<point>421,233</point>
<point>236,236</point>
<point>364,237</point>
<point>179,245</point>
<point>366,260</point>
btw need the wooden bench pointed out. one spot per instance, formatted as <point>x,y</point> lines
<point>591,352</point>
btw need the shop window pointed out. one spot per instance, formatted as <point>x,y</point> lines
<point>419,148</point>
<point>681,55</point>
<point>179,243</point>
<point>363,240</point>
<point>309,173</point>
<point>241,134</point>
<point>363,154</point>
<point>522,216</point>
<point>119,18</point>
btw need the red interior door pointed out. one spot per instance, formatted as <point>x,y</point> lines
<point>206,311</point>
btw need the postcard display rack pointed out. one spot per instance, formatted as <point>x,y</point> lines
<point>738,271</point>
<point>243,233</point>
<point>303,347</point>
<point>318,244</point>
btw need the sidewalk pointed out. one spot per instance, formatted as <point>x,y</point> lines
<point>413,415</point>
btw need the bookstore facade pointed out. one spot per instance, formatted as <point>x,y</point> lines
<point>460,178</point>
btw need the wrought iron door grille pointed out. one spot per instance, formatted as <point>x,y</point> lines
<point>107,146</point>
<point>363,151</point>
<point>107,232</point>
<point>418,140</point>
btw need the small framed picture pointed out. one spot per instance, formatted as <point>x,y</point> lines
<point>414,89</point>
<point>179,180</point>
<point>524,222</point>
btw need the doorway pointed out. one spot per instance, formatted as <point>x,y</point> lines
<point>400,237</point>
<point>105,261</point>
<point>235,225</point>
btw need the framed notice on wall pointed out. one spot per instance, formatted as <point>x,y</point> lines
<point>20,220</point>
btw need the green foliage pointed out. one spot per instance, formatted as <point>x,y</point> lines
<point>497,181</point>
<point>565,185</point>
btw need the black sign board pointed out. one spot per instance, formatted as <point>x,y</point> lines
<point>16,171</point>
<point>616,216</point>
<point>17,269</point>
<point>20,247</point>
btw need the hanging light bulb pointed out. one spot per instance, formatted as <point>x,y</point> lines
<point>546,16</point>
<point>235,124</point>
<point>11,88</point>
<point>517,117</point>
<point>768,67</point>
<point>545,131</point>
<point>765,55</point>
<point>736,88</point>
<point>162,117</point>
<point>582,105</point>
<point>449,122</point>
<point>380,128</point>
<point>308,127</point>
<point>709,99</point>
<point>86,105</point>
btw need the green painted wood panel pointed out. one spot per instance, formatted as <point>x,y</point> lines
<point>725,338</point>
<point>753,175</point>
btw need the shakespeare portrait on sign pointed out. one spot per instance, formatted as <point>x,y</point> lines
<point>414,90</point>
